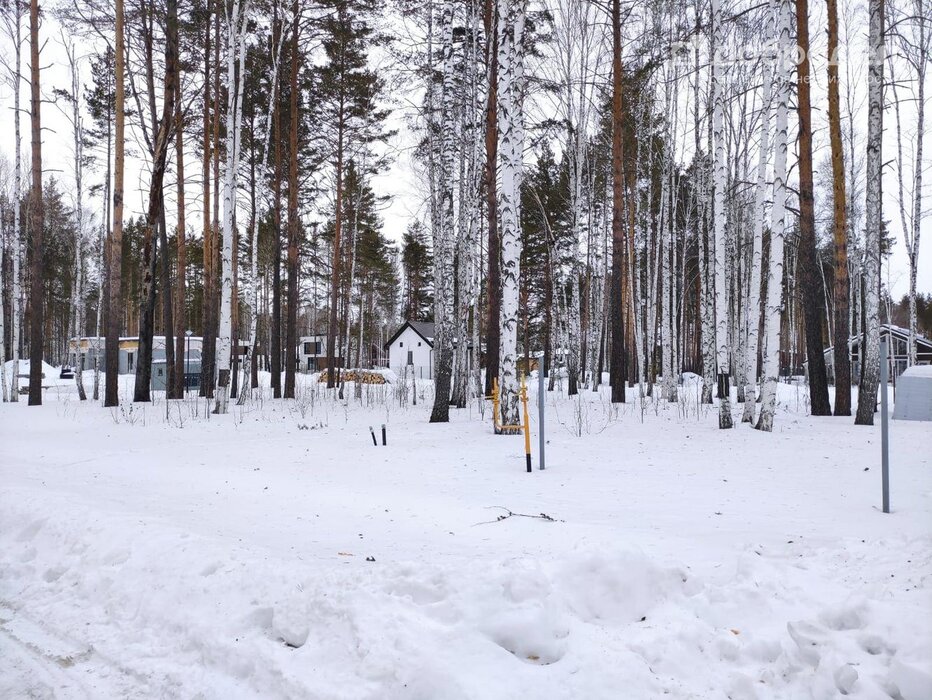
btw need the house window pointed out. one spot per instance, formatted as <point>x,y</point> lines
<point>411,357</point>
<point>130,364</point>
<point>419,343</point>
<point>307,348</point>
<point>401,344</point>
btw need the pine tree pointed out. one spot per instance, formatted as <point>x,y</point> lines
<point>36,213</point>
<point>346,99</point>
<point>417,262</point>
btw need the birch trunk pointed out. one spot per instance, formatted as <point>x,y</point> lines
<point>493,323</point>
<point>236,50</point>
<point>720,252</point>
<point>444,234</point>
<point>78,145</point>
<point>17,246</point>
<point>914,50</point>
<point>3,278</point>
<point>254,233</point>
<point>777,216</point>
<point>870,344</point>
<point>511,116</point>
<point>757,241</point>
<point>702,229</point>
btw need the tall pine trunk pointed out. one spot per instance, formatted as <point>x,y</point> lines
<point>155,216</point>
<point>177,389</point>
<point>115,276</point>
<point>294,225</point>
<point>208,343</point>
<point>841,289</point>
<point>809,262</point>
<point>36,218</point>
<point>617,360</point>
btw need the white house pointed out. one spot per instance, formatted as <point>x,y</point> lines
<point>412,346</point>
<point>312,352</point>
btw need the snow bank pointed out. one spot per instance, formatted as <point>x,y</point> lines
<point>24,368</point>
<point>146,609</point>
<point>246,556</point>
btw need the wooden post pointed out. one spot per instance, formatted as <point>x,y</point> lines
<point>527,426</point>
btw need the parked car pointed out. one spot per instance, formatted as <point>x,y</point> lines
<point>66,372</point>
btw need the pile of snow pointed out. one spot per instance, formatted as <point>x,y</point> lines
<point>51,375</point>
<point>25,367</point>
<point>249,556</point>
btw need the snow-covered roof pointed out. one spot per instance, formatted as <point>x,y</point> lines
<point>425,329</point>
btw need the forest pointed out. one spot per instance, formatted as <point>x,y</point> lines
<point>637,189</point>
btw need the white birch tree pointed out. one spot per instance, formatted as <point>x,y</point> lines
<point>870,344</point>
<point>757,246</point>
<point>914,42</point>
<point>254,232</point>
<point>16,246</point>
<point>2,309</point>
<point>511,150</point>
<point>77,128</point>
<point>719,222</point>
<point>445,233</point>
<point>235,57</point>
<point>781,94</point>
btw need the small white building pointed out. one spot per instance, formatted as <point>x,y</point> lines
<point>412,347</point>
<point>312,352</point>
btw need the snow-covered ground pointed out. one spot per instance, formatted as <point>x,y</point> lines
<point>276,553</point>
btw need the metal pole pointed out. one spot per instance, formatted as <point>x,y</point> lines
<point>884,427</point>
<point>540,409</point>
<point>187,357</point>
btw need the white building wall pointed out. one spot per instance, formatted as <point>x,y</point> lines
<point>421,357</point>
<point>308,362</point>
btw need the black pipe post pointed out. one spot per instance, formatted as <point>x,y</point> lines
<point>372,433</point>
<point>383,435</point>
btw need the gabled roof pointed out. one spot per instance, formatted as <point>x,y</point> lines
<point>923,344</point>
<point>425,329</point>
